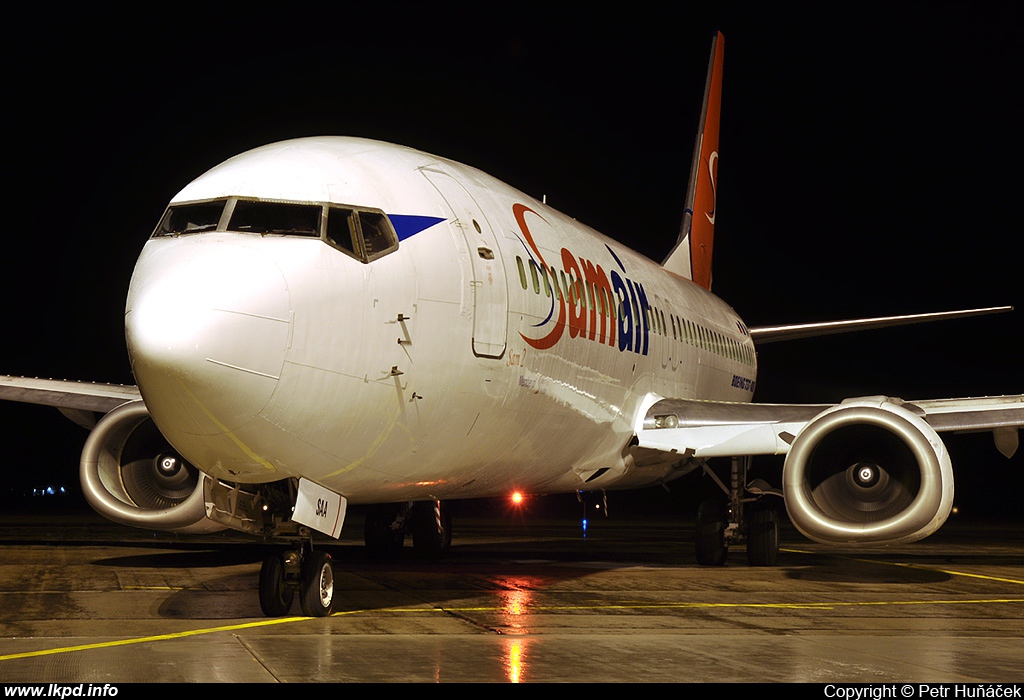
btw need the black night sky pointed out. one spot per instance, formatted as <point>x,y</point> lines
<point>870,163</point>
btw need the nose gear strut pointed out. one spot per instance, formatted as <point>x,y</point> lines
<point>302,570</point>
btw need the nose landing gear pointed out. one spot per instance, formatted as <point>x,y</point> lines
<point>306,571</point>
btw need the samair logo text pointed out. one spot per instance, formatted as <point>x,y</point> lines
<point>607,308</point>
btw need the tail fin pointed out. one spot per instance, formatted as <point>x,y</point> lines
<point>691,256</point>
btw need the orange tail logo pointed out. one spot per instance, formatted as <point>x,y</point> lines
<point>702,233</point>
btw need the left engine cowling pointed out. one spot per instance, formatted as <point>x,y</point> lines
<point>868,471</point>
<point>130,474</point>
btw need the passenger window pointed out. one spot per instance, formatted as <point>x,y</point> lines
<point>522,271</point>
<point>577,287</point>
<point>533,276</point>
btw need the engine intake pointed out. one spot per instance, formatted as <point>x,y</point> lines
<point>131,475</point>
<point>868,471</point>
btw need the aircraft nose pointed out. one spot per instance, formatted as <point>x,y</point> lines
<point>207,326</point>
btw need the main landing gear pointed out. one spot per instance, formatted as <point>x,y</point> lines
<point>305,571</point>
<point>387,525</point>
<point>747,516</point>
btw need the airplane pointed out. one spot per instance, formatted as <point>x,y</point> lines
<point>329,321</point>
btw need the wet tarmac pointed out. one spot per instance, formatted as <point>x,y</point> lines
<point>85,601</point>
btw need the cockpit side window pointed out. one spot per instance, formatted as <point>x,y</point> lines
<point>275,218</point>
<point>378,236</point>
<point>365,235</point>
<point>340,227</point>
<point>190,218</point>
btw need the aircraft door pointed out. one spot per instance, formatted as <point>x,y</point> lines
<point>490,293</point>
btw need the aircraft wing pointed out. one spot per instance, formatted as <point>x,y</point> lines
<point>721,429</point>
<point>76,400</point>
<point>774,334</point>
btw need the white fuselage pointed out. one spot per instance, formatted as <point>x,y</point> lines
<point>449,367</point>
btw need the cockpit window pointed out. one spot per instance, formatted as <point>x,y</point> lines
<point>191,218</point>
<point>364,234</point>
<point>275,218</point>
<point>377,235</point>
<point>340,227</point>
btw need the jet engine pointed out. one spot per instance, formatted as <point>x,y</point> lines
<point>130,474</point>
<point>868,471</point>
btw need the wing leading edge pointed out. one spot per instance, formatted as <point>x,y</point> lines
<point>773,334</point>
<point>76,400</point>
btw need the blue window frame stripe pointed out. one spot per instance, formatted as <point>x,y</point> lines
<point>408,225</point>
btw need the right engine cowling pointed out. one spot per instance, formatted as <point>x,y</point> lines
<point>868,471</point>
<point>130,474</point>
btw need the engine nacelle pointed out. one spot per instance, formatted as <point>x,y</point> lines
<point>868,471</point>
<point>130,474</point>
